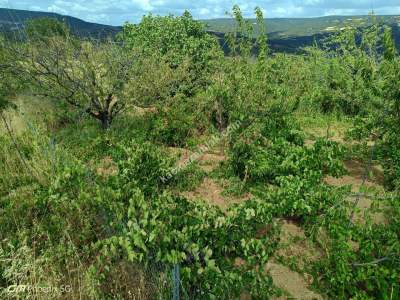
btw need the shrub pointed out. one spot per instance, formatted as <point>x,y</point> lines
<point>202,239</point>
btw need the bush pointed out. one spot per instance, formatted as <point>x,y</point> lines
<point>368,271</point>
<point>202,239</point>
<point>143,165</point>
<point>273,159</point>
<point>257,152</point>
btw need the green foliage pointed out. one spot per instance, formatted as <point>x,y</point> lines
<point>175,124</point>
<point>202,239</point>
<point>273,154</point>
<point>156,227</point>
<point>351,78</point>
<point>262,39</point>
<point>388,43</point>
<point>92,207</point>
<point>363,258</point>
<point>381,124</point>
<point>386,122</point>
<point>240,40</point>
<point>45,28</point>
<point>252,152</point>
<point>154,83</point>
<point>263,81</point>
<point>172,128</point>
<point>144,166</point>
<point>8,82</point>
<point>175,40</point>
<point>91,78</point>
<point>371,269</point>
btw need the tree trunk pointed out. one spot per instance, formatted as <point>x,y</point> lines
<point>105,120</point>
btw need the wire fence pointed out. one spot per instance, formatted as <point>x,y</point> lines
<point>154,281</point>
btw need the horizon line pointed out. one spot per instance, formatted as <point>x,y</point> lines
<point>206,19</point>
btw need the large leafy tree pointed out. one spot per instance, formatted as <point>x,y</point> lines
<point>101,79</point>
<point>43,28</point>
<point>90,77</point>
<point>387,118</point>
<point>178,40</point>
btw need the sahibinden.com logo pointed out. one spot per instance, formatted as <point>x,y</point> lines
<point>37,289</point>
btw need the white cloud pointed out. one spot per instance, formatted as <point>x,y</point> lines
<point>143,4</point>
<point>288,11</point>
<point>56,9</point>
<point>204,12</point>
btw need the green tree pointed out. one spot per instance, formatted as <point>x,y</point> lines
<point>351,84</point>
<point>90,77</point>
<point>388,43</point>
<point>387,118</point>
<point>262,39</point>
<point>100,79</point>
<point>240,40</point>
<point>178,40</point>
<point>44,28</point>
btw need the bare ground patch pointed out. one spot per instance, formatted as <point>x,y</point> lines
<point>207,160</point>
<point>367,190</point>
<point>212,193</point>
<point>210,161</point>
<point>106,167</point>
<point>291,282</point>
<point>294,244</point>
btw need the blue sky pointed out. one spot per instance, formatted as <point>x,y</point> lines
<point>116,12</point>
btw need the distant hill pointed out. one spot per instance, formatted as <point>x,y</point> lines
<point>285,35</point>
<point>293,27</point>
<point>12,20</point>
<point>291,34</point>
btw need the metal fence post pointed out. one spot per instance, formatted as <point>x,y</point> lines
<point>176,282</point>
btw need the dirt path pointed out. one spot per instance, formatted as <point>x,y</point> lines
<point>294,245</point>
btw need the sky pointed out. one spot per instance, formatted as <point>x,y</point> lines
<point>116,12</point>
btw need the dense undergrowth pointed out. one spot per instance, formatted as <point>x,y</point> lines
<point>87,205</point>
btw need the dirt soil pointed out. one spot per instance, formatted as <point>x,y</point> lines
<point>294,244</point>
<point>371,188</point>
<point>212,193</point>
<point>291,282</point>
<point>209,190</point>
<point>210,161</point>
<point>207,161</point>
<point>106,167</point>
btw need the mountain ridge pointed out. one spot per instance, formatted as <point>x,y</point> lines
<point>14,19</point>
<point>285,34</point>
